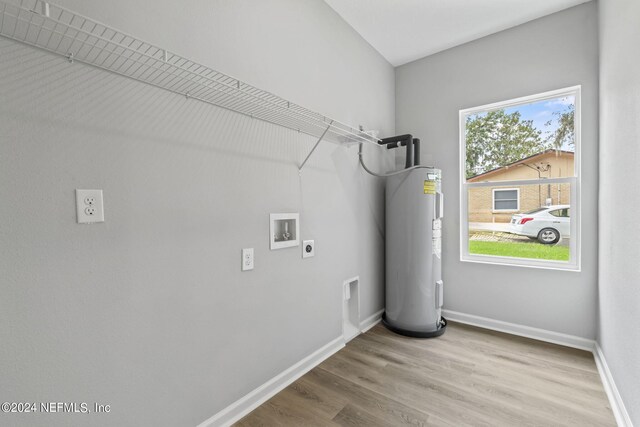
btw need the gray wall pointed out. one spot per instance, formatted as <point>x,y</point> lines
<point>149,312</point>
<point>553,52</point>
<point>618,332</point>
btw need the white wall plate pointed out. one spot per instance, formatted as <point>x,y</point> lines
<point>89,206</point>
<point>308,248</point>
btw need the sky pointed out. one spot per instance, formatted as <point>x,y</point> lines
<point>542,111</point>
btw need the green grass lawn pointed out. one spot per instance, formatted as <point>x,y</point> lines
<point>519,250</point>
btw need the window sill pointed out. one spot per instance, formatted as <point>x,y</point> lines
<point>522,262</point>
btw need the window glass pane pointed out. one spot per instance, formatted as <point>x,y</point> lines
<point>532,211</point>
<point>561,213</point>
<point>506,205</point>
<point>532,232</point>
<point>506,195</point>
<point>526,141</point>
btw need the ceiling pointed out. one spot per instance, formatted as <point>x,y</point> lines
<point>406,30</point>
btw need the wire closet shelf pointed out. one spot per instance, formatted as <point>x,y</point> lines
<point>54,29</point>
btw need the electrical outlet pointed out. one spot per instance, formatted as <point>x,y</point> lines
<point>247,259</point>
<point>308,248</point>
<point>89,206</point>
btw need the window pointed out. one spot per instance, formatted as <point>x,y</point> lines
<point>506,199</point>
<point>520,178</point>
<point>560,213</point>
<point>532,211</point>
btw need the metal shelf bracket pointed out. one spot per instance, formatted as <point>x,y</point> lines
<point>314,147</point>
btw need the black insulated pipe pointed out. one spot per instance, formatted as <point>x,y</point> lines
<point>416,151</point>
<point>398,141</point>
<point>392,141</point>
<point>409,158</point>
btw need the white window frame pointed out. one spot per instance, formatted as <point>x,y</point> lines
<point>574,243</point>
<point>493,200</point>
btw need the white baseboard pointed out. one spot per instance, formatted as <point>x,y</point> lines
<point>617,405</point>
<point>257,397</point>
<point>371,321</point>
<point>521,330</point>
<point>615,400</point>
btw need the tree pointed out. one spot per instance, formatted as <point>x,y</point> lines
<point>564,135</point>
<point>497,138</point>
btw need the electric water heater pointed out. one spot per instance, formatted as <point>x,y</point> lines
<point>413,243</point>
<point>414,287</point>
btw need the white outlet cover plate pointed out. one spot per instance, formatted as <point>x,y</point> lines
<point>308,248</point>
<point>89,206</point>
<point>247,259</point>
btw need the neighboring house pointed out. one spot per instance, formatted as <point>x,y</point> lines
<point>497,204</point>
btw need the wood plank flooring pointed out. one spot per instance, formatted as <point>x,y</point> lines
<point>467,377</point>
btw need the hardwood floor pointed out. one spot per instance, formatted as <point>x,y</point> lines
<point>468,376</point>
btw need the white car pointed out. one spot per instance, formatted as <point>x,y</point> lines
<point>546,224</point>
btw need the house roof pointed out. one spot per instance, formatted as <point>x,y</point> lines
<point>519,162</point>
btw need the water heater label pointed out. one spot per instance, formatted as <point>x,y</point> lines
<point>429,187</point>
